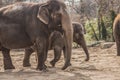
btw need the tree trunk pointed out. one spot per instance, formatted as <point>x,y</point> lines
<point>104,31</point>
<point>95,35</point>
<point>98,22</point>
<point>113,15</point>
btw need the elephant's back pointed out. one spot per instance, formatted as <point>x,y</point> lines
<point>20,6</point>
<point>78,28</point>
<point>16,11</point>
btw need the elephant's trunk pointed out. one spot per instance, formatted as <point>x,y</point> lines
<point>68,34</point>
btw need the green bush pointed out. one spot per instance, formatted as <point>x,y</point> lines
<point>89,36</point>
<point>93,23</point>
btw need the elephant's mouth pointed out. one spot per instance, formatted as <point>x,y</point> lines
<point>59,25</point>
<point>60,29</point>
<point>56,27</point>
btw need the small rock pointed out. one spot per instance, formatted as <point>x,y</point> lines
<point>66,73</point>
<point>106,45</point>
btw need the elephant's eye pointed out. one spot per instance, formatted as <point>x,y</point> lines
<point>55,16</point>
<point>58,15</point>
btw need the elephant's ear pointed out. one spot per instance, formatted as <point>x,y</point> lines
<point>43,14</point>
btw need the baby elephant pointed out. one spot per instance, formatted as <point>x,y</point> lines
<point>56,42</point>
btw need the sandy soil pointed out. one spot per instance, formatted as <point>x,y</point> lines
<point>103,65</point>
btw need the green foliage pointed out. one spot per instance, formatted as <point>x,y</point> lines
<point>108,24</point>
<point>90,36</point>
<point>89,32</point>
<point>113,14</point>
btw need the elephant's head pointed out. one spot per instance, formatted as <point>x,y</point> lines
<point>54,14</point>
<point>78,30</point>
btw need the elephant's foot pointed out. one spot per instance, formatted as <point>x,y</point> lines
<point>118,49</point>
<point>42,68</point>
<point>26,63</point>
<point>118,54</point>
<point>52,63</point>
<point>87,59</point>
<point>9,67</point>
<point>65,66</point>
<point>8,64</point>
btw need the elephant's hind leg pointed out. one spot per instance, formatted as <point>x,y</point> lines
<point>7,59</point>
<point>57,55</point>
<point>84,46</point>
<point>26,60</point>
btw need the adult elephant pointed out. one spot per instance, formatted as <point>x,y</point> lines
<point>56,42</point>
<point>116,33</point>
<point>26,24</point>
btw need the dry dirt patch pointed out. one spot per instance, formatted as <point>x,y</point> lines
<point>103,65</point>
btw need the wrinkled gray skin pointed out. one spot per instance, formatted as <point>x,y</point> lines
<point>56,42</point>
<point>26,24</point>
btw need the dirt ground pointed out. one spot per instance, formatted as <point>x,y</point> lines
<point>103,65</point>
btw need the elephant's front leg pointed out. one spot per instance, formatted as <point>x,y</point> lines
<point>118,48</point>
<point>41,48</point>
<point>7,59</point>
<point>57,55</point>
<point>26,60</point>
<point>65,57</point>
<point>117,38</point>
